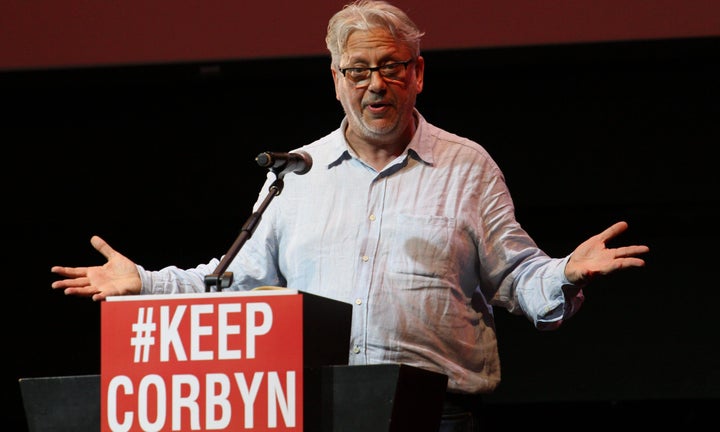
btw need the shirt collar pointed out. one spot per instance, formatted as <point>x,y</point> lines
<point>420,147</point>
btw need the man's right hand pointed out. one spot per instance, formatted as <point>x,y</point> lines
<point>118,276</point>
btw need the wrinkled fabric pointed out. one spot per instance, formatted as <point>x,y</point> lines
<point>423,250</point>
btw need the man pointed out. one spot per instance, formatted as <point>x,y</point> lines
<point>414,227</point>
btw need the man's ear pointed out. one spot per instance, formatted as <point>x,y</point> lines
<point>419,65</point>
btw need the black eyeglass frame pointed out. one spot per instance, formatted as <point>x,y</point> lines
<point>375,69</point>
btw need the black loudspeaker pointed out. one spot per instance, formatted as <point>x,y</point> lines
<point>62,404</point>
<point>373,398</point>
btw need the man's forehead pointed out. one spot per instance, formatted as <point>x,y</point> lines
<point>373,44</point>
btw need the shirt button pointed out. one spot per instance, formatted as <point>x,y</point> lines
<point>365,258</point>
<point>372,217</point>
<point>356,349</point>
<point>358,301</point>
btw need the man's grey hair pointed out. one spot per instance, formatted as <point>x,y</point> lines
<point>367,15</point>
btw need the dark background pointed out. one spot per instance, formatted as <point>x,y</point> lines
<point>159,160</point>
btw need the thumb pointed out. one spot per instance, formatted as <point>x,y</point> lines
<point>101,246</point>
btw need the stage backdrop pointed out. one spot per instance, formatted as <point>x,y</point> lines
<point>51,34</point>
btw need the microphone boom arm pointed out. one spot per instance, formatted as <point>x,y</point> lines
<point>221,278</point>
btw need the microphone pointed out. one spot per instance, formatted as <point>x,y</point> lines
<point>298,162</point>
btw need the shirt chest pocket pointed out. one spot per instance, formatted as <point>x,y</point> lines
<point>420,245</point>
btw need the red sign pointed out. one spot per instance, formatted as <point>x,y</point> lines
<point>202,362</point>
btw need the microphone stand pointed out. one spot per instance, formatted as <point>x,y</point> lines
<point>221,278</point>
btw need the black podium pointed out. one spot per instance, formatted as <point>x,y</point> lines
<point>336,397</point>
<point>373,398</point>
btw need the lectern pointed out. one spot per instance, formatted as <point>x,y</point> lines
<point>330,395</point>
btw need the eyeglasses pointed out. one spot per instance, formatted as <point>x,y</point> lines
<point>389,71</point>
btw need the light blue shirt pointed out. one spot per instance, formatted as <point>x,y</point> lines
<point>422,250</point>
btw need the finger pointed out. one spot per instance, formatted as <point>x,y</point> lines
<point>71,283</point>
<point>73,272</point>
<point>613,231</point>
<point>630,251</point>
<point>623,263</point>
<point>86,291</point>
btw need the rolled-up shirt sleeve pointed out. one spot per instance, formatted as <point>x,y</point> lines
<point>546,297</point>
<point>173,280</point>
